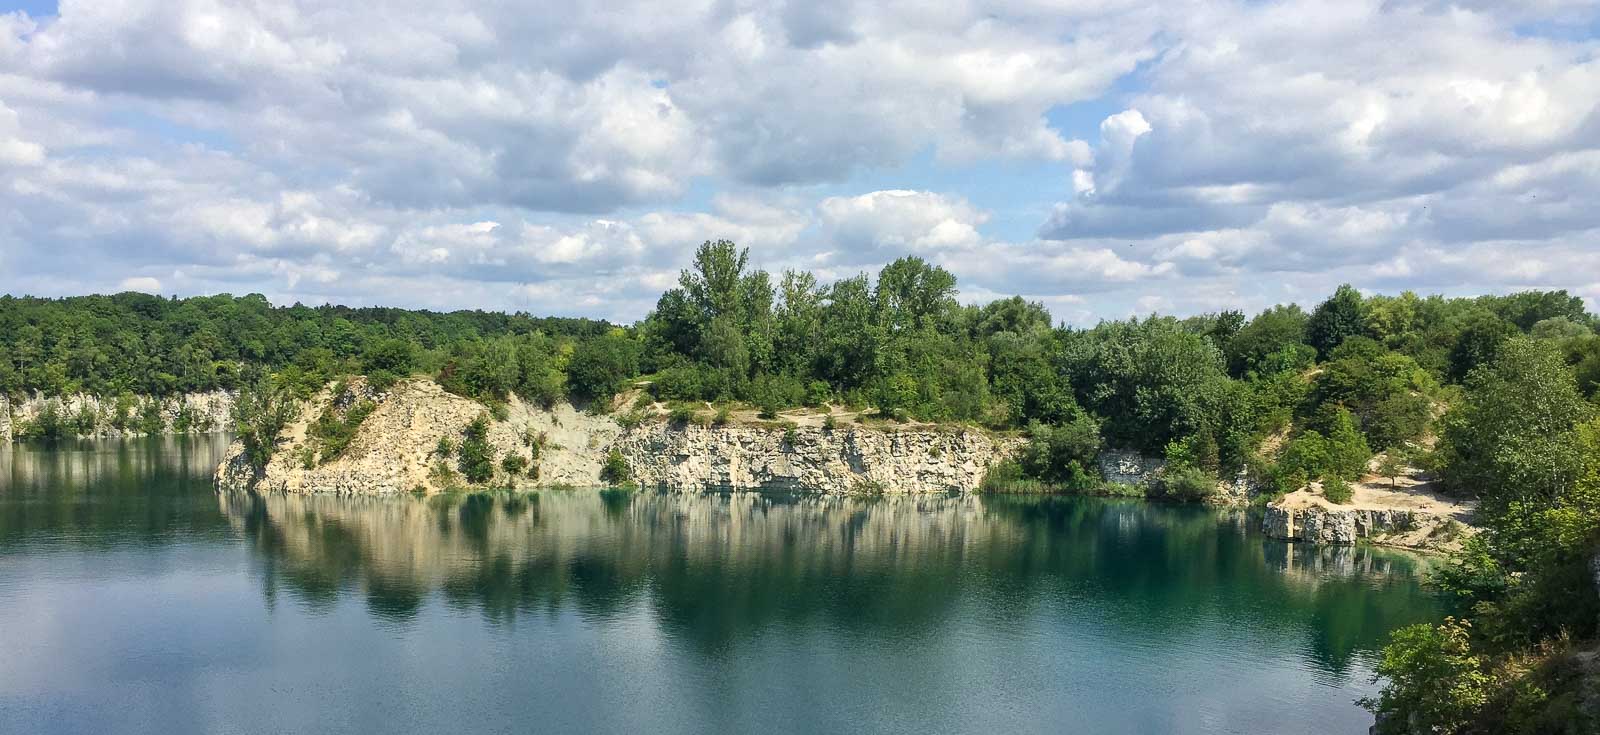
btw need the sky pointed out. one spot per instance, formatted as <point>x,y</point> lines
<point>1105,157</point>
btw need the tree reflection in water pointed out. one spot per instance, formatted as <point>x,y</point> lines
<point>715,568</point>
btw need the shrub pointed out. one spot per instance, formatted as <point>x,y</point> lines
<point>1436,683</point>
<point>615,471</point>
<point>818,393</point>
<point>722,415</point>
<point>1336,490</point>
<point>1188,483</point>
<point>828,423</point>
<point>473,454</point>
<point>630,420</point>
<point>513,464</point>
<point>498,410</point>
<point>788,435</point>
<point>444,448</point>
<point>334,433</point>
<point>83,424</point>
<point>681,414</point>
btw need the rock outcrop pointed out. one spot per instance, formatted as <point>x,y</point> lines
<point>1413,529</point>
<point>125,416</point>
<point>846,459</point>
<point>395,450</point>
<point>1126,467</point>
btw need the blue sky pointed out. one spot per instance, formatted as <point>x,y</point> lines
<point>1106,158</point>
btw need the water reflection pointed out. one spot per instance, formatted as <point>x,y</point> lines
<point>719,567</point>
<point>136,599</point>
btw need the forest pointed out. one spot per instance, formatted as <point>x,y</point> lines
<point>1495,395</point>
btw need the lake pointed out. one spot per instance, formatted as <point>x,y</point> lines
<point>134,599</point>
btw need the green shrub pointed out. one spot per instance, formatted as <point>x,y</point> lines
<point>1436,683</point>
<point>1336,490</point>
<point>498,410</point>
<point>721,417</point>
<point>788,435</point>
<point>444,448</point>
<point>615,471</point>
<point>681,414</point>
<point>1188,483</point>
<point>818,393</point>
<point>151,421</point>
<point>473,454</point>
<point>83,424</point>
<point>630,420</point>
<point>514,464</point>
<point>828,422</point>
<point>333,433</point>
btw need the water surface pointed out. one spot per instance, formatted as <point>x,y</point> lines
<point>134,599</point>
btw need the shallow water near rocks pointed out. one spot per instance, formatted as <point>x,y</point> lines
<point>134,599</point>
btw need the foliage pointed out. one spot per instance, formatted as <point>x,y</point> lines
<point>1188,482</point>
<point>334,430</point>
<point>1437,683</point>
<point>615,471</point>
<point>260,413</point>
<point>514,464</point>
<point>474,456</point>
<point>1337,490</point>
<point>1342,316</point>
<point>1063,456</point>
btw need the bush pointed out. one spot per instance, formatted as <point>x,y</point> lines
<point>1063,455</point>
<point>473,454</point>
<point>513,464</point>
<point>334,433</point>
<point>818,393</point>
<point>828,423</point>
<point>1188,483</point>
<point>498,410</point>
<point>1436,683</point>
<point>615,471</point>
<point>681,415</point>
<point>722,415</point>
<point>444,448</point>
<point>1336,490</point>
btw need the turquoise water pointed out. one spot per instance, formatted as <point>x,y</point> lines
<point>133,599</point>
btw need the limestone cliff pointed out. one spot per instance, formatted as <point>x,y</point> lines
<point>125,416</point>
<point>1407,521</point>
<point>845,459</point>
<point>396,450</point>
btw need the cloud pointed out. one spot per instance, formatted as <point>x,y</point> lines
<point>1092,155</point>
<point>144,284</point>
<point>899,222</point>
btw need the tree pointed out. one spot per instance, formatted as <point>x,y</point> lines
<point>600,367</point>
<point>1276,331</point>
<point>474,455</point>
<point>1436,681</point>
<point>1391,466</point>
<point>1340,317</point>
<point>260,413</point>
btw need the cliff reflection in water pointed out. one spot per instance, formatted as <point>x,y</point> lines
<point>713,568</point>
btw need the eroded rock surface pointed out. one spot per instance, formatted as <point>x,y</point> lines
<point>395,451</point>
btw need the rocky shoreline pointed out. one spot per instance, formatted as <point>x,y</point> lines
<point>1306,518</point>
<point>396,450</point>
<point>114,417</point>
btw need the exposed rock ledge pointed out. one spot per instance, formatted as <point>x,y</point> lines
<point>1412,517</point>
<point>394,451</point>
<point>206,412</point>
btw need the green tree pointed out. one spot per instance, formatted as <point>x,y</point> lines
<point>1342,316</point>
<point>474,455</point>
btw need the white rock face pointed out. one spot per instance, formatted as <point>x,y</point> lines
<point>841,460</point>
<point>1320,525</point>
<point>1128,467</point>
<point>394,451</point>
<point>208,412</point>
